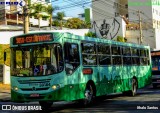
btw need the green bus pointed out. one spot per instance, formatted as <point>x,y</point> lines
<point>52,66</point>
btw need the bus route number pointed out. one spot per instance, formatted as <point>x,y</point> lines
<point>44,84</point>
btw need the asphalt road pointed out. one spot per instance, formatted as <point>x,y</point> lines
<point>146,101</point>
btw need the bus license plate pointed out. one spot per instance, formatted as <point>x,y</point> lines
<point>34,95</point>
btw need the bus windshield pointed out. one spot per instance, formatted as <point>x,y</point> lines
<point>155,63</point>
<point>38,60</point>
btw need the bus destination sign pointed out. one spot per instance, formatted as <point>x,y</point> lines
<point>157,53</point>
<point>34,38</point>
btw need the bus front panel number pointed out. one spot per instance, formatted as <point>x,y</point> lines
<point>44,84</point>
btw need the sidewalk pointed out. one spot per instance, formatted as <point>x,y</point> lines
<point>5,92</point>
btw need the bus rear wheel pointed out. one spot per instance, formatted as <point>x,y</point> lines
<point>133,90</point>
<point>134,87</point>
<point>45,104</point>
<point>89,95</point>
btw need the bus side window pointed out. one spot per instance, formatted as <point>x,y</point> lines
<point>116,55</point>
<point>72,60</point>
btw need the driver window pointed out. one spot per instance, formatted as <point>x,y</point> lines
<point>71,57</point>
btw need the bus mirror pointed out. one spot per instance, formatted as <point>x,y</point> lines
<point>5,55</point>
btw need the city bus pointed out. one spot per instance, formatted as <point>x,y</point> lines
<point>51,66</point>
<point>155,56</point>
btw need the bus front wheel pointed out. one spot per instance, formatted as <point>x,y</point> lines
<point>45,104</point>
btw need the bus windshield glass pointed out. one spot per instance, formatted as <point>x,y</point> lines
<point>155,63</point>
<point>38,60</point>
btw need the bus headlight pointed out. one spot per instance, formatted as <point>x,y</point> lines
<point>54,87</point>
<point>15,88</point>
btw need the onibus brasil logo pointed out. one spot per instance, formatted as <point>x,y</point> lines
<point>20,3</point>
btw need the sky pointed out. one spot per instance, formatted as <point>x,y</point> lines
<point>71,8</point>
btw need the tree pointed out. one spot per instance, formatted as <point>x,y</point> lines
<point>121,39</point>
<point>50,10</point>
<point>60,16</point>
<point>4,47</point>
<point>56,23</point>
<point>90,34</point>
<point>37,10</point>
<point>76,23</point>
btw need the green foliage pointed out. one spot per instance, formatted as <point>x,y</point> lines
<point>121,39</point>
<point>56,23</point>
<point>2,48</point>
<point>90,34</point>
<point>60,15</point>
<point>50,9</point>
<point>76,23</point>
<point>36,9</point>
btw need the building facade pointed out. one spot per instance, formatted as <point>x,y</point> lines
<point>150,19</point>
<point>107,21</point>
<point>121,18</point>
<point>13,14</point>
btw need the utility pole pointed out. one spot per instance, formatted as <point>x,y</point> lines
<point>140,28</point>
<point>26,18</point>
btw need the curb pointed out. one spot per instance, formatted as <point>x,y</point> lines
<point>5,100</point>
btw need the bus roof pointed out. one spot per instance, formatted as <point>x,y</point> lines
<point>82,38</point>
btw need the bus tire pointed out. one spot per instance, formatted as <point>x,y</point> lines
<point>154,86</point>
<point>89,95</point>
<point>134,87</point>
<point>45,104</point>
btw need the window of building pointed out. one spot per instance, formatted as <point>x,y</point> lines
<point>126,5</point>
<point>116,14</point>
<point>126,15</point>
<point>116,5</point>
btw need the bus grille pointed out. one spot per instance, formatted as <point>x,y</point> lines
<point>33,81</point>
<point>36,83</point>
<point>31,89</point>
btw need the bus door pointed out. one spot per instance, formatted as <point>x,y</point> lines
<point>72,69</point>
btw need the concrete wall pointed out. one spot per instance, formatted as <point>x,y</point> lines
<point>34,22</point>
<point>157,41</point>
<point>148,37</point>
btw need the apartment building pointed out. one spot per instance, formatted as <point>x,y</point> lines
<point>12,14</point>
<point>150,18</point>
<point>122,18</point>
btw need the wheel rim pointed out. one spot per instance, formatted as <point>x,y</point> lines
<point>134,87</point>
<point>88,95</point>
